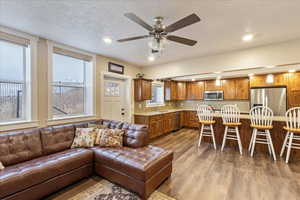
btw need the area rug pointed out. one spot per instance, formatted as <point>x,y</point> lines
<point>104,190</point>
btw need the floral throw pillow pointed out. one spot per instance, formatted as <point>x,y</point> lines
<point>1,166</point>
<point>84,137</point>
<point>110,137</point>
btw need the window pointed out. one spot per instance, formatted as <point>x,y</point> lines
<point>15,95</point>
<point>157,95</point>
<point>71,86</point>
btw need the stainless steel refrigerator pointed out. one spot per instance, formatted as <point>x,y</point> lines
<point>273,97</point>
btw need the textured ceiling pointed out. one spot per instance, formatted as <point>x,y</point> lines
<point>83,23</point>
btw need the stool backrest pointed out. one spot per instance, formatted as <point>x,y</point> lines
<point>230,114</point>
<point>261,116</point>
<point>205,113</point>
<point>293,118</point>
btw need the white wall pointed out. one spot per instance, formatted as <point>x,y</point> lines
<point>275,54</point>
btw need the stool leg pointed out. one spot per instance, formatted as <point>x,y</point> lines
<point>253,141</point>
<point>201,134</point>
<point>271,144</point>
<point>289,148</point>
<point>213,136</point>
<point>284,144</point>
<point>250,145</point>
<point>224,138</point>
<point>268,142</point>
<point>239,139</point>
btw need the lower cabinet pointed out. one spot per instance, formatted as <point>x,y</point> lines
<point>159,124</point>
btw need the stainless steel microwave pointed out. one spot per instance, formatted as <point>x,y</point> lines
<point>213,95</point>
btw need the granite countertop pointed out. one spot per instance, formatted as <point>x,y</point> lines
<point>244,115</point>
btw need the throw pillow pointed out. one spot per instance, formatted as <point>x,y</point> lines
<point>98,135</point>
<point>111,138</point>
<point>1,166</point>
<point>84,137</point>
<point>99,126</point>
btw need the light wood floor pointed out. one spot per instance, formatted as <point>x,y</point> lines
<point>203,173</point>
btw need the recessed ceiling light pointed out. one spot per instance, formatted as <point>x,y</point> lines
<point>193,79</point>
<point>248,37</point>
<point>107,40</point>
<point>292,70</point>
<point>151,58</point>
<point>218,72</point>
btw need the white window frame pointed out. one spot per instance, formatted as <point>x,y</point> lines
<point>90,85</point>
<point>31,97</point>
<point>148,103</point>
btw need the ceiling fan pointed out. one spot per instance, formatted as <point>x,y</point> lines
<point>159,33</point>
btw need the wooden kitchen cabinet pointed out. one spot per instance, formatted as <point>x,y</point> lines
<point>294,90</point>
<point>210,85</point>
<point>142,89</point>
<point>159,124</point>
<point>280,79</point>
<point>170,90</point>
<point>181,90</point>
<point>236,89</point>
<point>229,88</point>
<point>194,90</point>
<point>242,89</point>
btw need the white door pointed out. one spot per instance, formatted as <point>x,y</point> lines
<point>114,100</point>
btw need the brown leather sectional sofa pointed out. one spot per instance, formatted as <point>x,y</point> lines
<point>39,162</point>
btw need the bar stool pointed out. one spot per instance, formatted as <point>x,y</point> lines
<point>261,122</point>
<point>205,116</point>
<point>292,127</point>
<point>231,121</point>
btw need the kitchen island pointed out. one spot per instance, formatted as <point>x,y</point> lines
<point>164,122</point>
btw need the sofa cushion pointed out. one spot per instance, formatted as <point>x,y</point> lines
<point>135,135</point>
<point>16,147</point>
<point>57,138</point>
<point>23,175</point>
<point>140,163</point>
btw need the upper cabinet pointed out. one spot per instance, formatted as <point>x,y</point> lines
<point>194,90</point>
<point>242,89</point>
<point>274,80</point>
<point>142,89</point>
<point>212,85</point>
<point>181,90</point>
<point>294,90</point>
<point>170,89</point>
<point>236,89</point>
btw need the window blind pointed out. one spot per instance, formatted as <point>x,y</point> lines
<point>73,54</point>
<point>14,39</point>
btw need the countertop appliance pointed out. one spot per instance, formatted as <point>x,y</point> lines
<point>272,97</point>
<point>213,95</point>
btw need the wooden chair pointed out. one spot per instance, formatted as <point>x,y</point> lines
<point>231,121</point>
<point>261,122</point>
<point>205,116</point>
<point>292,127</point>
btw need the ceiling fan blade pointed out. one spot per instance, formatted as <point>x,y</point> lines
<point>133,38</point>
<point>191,19</point>
<point>139,21</point>
<point>181,40</point>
